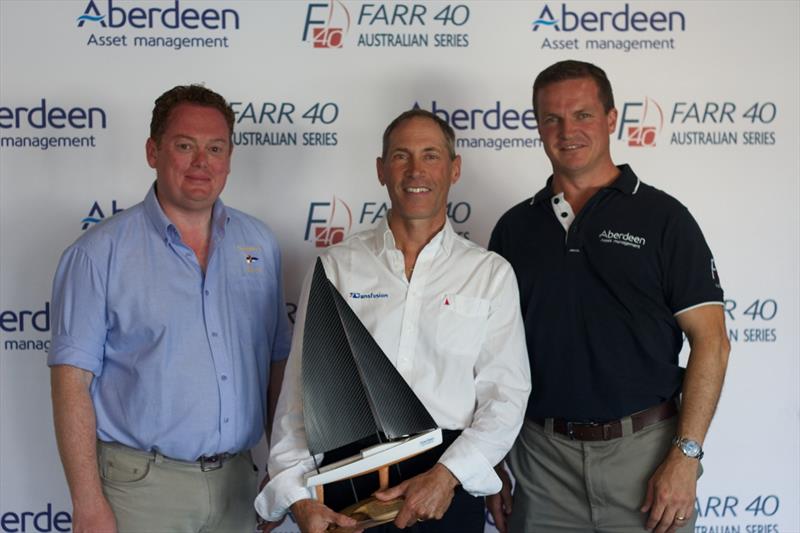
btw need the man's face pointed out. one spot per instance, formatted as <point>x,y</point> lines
<point>193,159</point>
<point>418,171</point>
<point>574,127</point>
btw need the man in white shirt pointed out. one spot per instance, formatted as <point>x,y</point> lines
<point>446,313</point>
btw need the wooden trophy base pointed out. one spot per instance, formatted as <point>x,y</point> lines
<point>370,513</point>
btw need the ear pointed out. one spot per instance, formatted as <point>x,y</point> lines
<point>151,150</point>
<point>612,120</point>
<point>455,169</point>
<point>379,169</point>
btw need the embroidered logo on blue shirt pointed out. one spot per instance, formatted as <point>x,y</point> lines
<point>250,259</point>
<point>368,295</point>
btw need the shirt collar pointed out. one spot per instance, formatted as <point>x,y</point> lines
<point>627,182</point>
<point>383,238</point>
<point>165,227</point>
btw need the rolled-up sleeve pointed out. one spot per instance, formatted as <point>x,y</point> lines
<point>78,314</point>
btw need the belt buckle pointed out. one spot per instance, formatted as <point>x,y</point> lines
<point>570,431</point>
<point>209,464</point>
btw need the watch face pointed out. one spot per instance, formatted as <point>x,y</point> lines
<point>690,448</point>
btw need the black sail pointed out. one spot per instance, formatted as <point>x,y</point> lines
<point>350,388</point>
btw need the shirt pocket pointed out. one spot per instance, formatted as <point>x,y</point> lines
<point>462,325</point>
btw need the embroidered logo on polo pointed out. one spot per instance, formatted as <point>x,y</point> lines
<point>625,239</point>
<point>251,260</point>
<point>368,295</point>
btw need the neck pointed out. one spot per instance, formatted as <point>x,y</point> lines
<point>578,189</point>
<point>411,236</point>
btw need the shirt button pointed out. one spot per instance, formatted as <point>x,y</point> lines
<point>206,292</point>
<point>226,420</point>
<point>224,377</point>
<point>563,215</point>
<point>556,200</point>
<point>214,334</point>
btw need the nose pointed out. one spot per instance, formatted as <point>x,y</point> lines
<point>567,128</point>
<point>414,167</point>
<point>200,159</point>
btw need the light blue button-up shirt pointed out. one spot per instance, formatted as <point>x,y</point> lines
<point>181,359</point>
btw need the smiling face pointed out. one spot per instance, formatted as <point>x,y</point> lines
<point>192,159</point>
<point>575,129</point>
<point>418,172</point>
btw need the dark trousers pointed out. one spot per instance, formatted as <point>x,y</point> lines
<point>466,513</point>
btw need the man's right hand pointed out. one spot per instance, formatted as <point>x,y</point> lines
<point>314,517</point>
<point>98,519</point>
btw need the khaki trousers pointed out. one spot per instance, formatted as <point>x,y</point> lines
<point>150,493</point>
<point>565,485</point>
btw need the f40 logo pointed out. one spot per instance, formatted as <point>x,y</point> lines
<point>329,22</point>
<point>641,122</point>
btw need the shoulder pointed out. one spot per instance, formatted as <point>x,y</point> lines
<point>478,258</point>
<point>516,214</point>
<point>112,232</point>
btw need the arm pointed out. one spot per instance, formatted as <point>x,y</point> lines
<point>276,371</point>
<point>671,490</point>
<point>499,505</point>
<point>75,425</point>
<point>501,387</point>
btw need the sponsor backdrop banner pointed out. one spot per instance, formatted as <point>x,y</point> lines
<point>707,94</point>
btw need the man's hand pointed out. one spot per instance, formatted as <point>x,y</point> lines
<point>427,496</point>
<point>314,517</point>
<point>671,493</point>
<point>98,519</point>
<point>499,505</point>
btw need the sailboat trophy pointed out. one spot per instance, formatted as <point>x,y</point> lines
<point>351,391</point>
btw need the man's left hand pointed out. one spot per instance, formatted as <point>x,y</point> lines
<point>671,493</point>
<point>427,496</point>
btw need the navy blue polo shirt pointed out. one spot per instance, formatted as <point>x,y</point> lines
<point>599,301</point>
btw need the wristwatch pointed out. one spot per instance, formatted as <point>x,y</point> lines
<point>690,448</point>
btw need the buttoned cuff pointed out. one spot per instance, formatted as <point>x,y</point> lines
<point>471,468</point>
<point>274,501</point>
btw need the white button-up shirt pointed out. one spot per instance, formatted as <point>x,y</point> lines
<point>453,331</point>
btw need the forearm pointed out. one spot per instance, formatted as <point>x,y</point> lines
<point>76,429</point>
<point>702,384</point>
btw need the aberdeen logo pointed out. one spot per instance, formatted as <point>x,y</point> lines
<point>172,17</point>
<point>622,21</point>
<point>96,214</point>
<point>328,31</point>
<point>641,122</point>
<point>331,228</point>
<point>625,239</point>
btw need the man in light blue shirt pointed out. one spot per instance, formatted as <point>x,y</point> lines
<point>169,341</point>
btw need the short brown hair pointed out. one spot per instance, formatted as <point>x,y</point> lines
<point>447,131</point>
<point>186,94</point>
<point>571,70</point>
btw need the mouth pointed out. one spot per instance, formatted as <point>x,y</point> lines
<point>416,190</point>
<point>570,147</point>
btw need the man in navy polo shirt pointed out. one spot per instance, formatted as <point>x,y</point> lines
<point>169,341</point>
<point>612,273</point>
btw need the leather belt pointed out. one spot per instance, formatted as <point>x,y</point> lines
<point>206,463</point>
<point>593,431</point>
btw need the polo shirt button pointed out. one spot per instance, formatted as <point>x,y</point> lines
<point>563,215</point>
<point>556,200</point>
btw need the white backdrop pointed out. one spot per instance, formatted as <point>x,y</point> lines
<point>708,99</point>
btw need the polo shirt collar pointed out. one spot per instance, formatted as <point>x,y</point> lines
<point>627,182</point>
<point>168,230</point>
<point>383,238</point>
